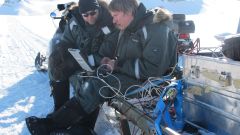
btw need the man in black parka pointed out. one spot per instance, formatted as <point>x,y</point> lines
<point>90,24</point>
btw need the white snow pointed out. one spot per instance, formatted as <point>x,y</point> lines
<point>26,28</point>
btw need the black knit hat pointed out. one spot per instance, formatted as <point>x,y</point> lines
<point>87,5</point>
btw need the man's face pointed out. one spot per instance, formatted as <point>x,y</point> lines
<point>121,19</point>
<point>91,16</point>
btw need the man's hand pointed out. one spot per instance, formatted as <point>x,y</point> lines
<point>105,60</point>
<point>109,62</point>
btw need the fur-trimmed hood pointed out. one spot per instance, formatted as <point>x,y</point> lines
<point>143,16</point>
<point>161,15</point>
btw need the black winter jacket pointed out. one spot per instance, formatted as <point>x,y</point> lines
<point>79,35</point>
<point>88,38</point>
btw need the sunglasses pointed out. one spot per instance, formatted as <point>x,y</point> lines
<point>91,13</point>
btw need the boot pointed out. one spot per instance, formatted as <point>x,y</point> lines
<point>39,126</point>
<point>44,126</point>
<point>65,117</point>
<point>83,127</point>
<point>90,120</point>
<point>74,130</point>
<point>69,114</point>
<point>60,93</point>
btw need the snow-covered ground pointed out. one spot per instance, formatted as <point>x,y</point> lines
<point>26,28</point>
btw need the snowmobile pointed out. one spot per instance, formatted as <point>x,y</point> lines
<point>63,14</point>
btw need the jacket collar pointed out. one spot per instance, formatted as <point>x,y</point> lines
<point>139,17</point>
<point>143,16</point>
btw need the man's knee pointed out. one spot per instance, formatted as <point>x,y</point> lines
<point>61,65</point>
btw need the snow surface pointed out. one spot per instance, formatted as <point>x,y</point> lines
<point>26,28</point>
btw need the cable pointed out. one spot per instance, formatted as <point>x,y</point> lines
<point>146,101</point>
<point>99,75</point>
<point>125,94</point>
<point>104,67</point>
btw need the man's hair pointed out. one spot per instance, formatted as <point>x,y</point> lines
<point>124,5</point>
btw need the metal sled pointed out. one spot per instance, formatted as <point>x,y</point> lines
<point>212,95</point>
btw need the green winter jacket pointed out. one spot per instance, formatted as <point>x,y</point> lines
<point>147,48</point>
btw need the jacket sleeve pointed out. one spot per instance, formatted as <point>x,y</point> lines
<point>68,34</point>
<point>156,54</point>
<point>159,53</point>
<point>108,47</point>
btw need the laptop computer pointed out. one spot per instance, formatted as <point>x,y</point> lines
<point>81,61</point>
